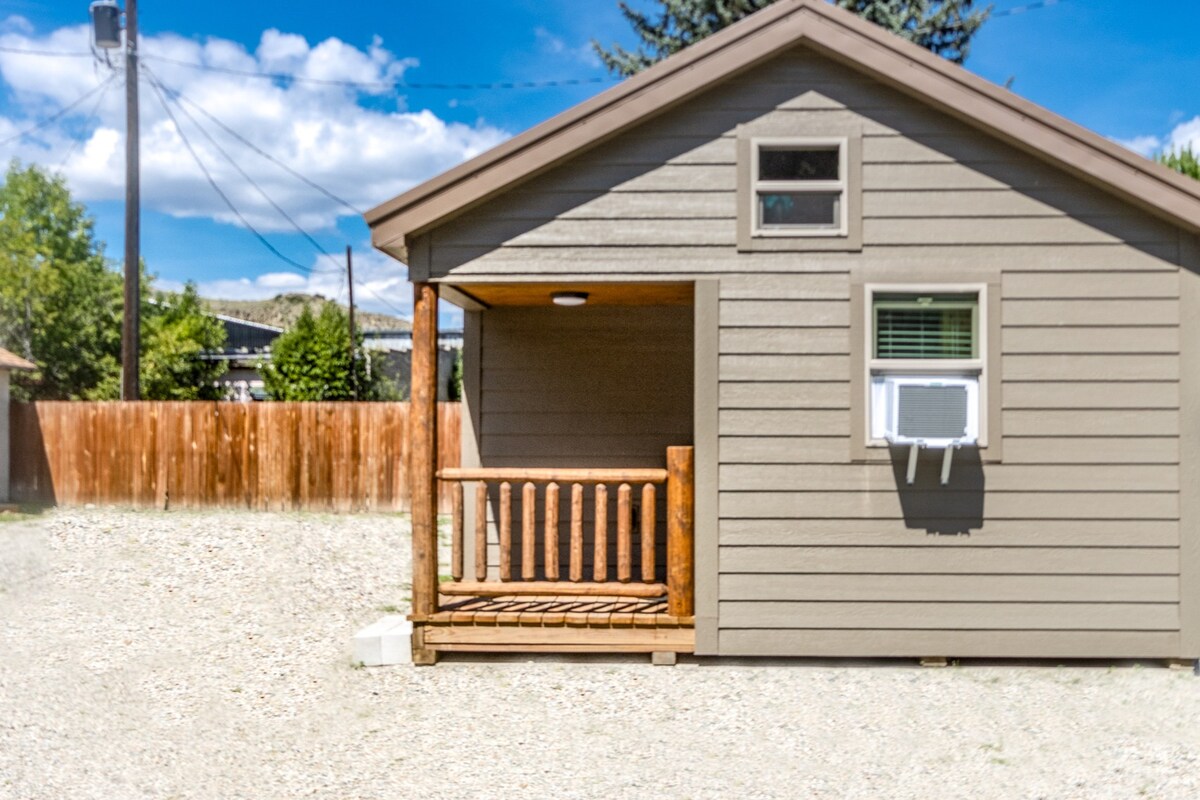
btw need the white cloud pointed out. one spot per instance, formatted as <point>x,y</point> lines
<point>1142,145</point>
<point>365,146</point>
<point>1185,134</point>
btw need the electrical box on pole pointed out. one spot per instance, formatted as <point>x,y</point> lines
<point>106,24</point>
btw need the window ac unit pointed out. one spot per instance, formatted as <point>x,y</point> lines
<point>925,411</point>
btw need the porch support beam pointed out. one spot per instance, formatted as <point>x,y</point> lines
<point>422,471</point>
<point>681,547</point>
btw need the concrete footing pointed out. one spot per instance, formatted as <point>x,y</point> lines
<point>384,643</point>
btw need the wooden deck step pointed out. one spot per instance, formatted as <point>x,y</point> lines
<point>557,611</point>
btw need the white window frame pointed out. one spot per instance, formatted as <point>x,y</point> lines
<point>757,186</point>
<point>971,367</point>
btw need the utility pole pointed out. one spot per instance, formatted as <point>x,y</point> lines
<point>350,282</point>
<point>130,347</point>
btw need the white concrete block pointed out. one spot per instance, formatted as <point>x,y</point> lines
<point>384,643</point>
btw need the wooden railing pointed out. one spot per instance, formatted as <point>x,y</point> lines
<point>496,488</point>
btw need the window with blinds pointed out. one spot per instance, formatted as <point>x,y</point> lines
<point>931,327</point>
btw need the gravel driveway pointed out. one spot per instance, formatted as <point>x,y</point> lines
<point>189,655</point>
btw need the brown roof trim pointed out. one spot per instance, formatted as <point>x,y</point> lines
<point>13,361</point>
<point>835,33</point>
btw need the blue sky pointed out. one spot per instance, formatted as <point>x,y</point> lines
<point>1131,76</point>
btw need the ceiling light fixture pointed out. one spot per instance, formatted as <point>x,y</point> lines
<point>569,298</point>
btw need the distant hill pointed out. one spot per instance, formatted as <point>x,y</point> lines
<point>282,310</point>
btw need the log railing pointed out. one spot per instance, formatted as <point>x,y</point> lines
<point>562,499</point>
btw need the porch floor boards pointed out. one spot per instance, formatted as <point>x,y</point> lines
<point>557,624</point>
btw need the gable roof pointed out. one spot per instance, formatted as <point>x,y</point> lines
<point>13,361</point>
<point>836,34</point>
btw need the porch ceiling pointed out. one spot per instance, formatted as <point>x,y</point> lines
<point>599,294</point>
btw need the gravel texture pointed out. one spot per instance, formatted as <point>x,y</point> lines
<point>188,655</point>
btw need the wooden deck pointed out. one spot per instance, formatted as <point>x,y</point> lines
<point>559,623</point>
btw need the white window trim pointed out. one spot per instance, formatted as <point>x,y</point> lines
<point>842,186</point>
<point>977,366</point>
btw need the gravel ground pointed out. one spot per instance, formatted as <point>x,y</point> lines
<point>188,655</point>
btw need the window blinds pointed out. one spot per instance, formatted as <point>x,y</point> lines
<point>925,328</point>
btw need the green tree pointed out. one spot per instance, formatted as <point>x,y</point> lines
<point>60,304</point>
<point>942,26</point>
<point>176,332</point>
<point>1184,161</point>
<point>311,361</point>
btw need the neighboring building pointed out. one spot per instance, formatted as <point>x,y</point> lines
<point>248,349</point>
<point>9,362</point>
<point>811,250</point>
<point>395,359</point>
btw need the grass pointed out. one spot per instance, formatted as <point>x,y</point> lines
<point>20,512</point>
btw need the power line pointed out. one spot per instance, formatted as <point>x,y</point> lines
<point>212,182</point>
<point>393,86</point>
<point>282,165</point>
<point>383,85</point>
<point>153,79</point>
<point>87,121</point>
<point>1008,12</point>
<point>60,113</point>
<point>50,53</point>
<point>161,92</point>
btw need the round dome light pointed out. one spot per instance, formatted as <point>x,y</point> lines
<point>569,298</point>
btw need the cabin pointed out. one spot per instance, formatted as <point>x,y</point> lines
<point>807,342</point>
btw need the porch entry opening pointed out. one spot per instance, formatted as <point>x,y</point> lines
<point>577,507</point>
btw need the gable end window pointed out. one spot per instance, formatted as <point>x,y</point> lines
<point>799,187</point>
<point>799,193</point>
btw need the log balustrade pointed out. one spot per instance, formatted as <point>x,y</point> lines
<point>563,490</point>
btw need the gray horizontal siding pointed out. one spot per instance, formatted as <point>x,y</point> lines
<point>612,260</point>
<point>962,643</point>
<point>951,589</point>
<point>999,478</point>
<point>951,560</point>
<point>877,531</point>
<point>950,504</point>
<point>952,615</point>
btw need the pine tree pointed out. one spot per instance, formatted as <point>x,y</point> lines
<point>942,26</point>
<point>1184,161</point>
<point>311,361</point>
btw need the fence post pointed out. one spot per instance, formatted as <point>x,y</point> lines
<point>680,531</point>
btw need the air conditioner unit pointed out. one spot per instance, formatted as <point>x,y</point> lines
<point>925,410</point>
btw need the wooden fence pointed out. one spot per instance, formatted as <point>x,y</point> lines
<point>266,456</point>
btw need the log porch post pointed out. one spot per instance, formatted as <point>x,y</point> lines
<point>681,531</point>
<point>422,471</point>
